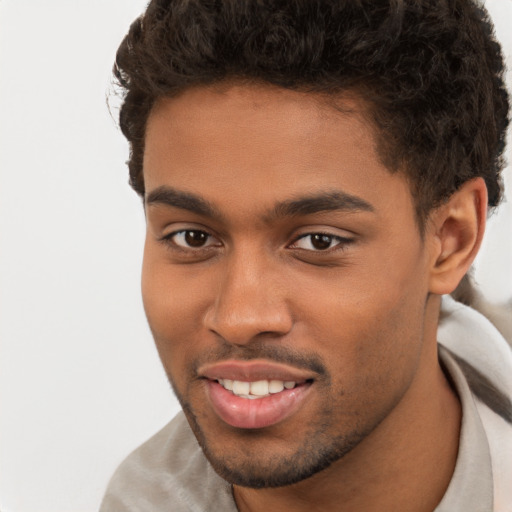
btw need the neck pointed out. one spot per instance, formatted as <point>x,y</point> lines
<point>406,463</point>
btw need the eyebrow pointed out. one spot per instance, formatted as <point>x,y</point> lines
<point>317,203</point>
<point>322,202</point>
<point>182,200</point>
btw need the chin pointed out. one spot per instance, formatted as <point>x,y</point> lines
<point>259,461</point>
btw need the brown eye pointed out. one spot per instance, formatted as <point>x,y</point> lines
<point>317,242</point>
<point>192,239</point>
<point>321,242</point>
<point>196,238</point>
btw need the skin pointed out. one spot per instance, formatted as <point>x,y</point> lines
<point>361,314</point>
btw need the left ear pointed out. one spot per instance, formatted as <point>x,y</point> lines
<point>456,230</point>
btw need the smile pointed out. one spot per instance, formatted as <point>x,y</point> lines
<point>256,389</point>
<point>249,411</point>
<point>255,394</point>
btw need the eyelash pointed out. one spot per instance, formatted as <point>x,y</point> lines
<point>169,240</point>
<point>341,242</point>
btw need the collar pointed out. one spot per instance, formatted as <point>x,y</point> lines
<point>471,486</point>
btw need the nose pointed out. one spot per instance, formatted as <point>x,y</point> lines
<point>250,301</point>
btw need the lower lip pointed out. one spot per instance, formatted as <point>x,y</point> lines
<point>258,413</point>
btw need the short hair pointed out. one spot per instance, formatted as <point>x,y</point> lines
<point>430,71</point>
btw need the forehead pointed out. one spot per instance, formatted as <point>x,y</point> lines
<point>250,144</point>
<point>259,114</point>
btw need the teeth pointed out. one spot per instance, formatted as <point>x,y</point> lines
<point>240,387</point>
<point>257,389</point>
<point>276,386</point>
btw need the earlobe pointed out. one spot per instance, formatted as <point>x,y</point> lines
<point>457,229</point>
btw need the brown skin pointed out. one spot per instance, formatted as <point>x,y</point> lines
<point>366,309</point>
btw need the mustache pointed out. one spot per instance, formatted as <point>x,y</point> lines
<point>264,350</point>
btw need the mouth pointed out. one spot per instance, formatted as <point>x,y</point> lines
<point>255,395</point>
<point>256,389</point>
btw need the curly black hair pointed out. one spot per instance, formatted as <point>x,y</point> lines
<point>430,70</point>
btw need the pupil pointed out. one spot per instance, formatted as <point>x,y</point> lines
<point>321,241</point>
<point>195,238</point>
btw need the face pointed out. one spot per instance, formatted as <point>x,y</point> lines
<point>284,277</point>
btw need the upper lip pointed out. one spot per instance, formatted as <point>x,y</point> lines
<point>251,371</point>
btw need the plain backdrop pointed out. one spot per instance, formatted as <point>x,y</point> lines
<point>80,381</point>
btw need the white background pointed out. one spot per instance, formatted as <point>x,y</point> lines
<point>80,380</point>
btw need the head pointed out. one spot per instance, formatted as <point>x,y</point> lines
<point>309,170</point>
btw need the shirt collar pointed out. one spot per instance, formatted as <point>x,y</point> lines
<point>471,486</point>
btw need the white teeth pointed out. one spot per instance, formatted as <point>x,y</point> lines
<point>259,388</point>
<point>241,387</point>
<point>275,386</point>
<point>256,389</point>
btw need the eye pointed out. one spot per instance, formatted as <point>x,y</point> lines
<point>192,239</point>
<point>318,242</point>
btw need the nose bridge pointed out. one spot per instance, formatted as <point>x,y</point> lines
<point>249,300</point>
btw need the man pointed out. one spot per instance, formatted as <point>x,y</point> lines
<point>315,177</point>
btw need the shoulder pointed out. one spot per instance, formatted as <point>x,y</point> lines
<point>167,472</point>
<point>484,358</point>
<point>476,344</point>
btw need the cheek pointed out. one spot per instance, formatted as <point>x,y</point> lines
<point>370,339</point>
<point>173,308</point>
<point>368,322</point>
